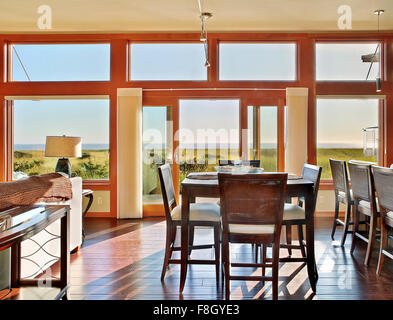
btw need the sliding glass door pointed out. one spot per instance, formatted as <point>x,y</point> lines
<point>265,134</point>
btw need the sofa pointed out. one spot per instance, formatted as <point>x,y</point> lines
<point>36,261</point>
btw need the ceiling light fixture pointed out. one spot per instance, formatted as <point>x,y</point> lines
<point>204,16</point>
<point>375,58</point>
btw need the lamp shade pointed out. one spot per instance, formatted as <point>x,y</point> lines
<point>63,147</point>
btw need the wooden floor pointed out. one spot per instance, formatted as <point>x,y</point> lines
<point>122,259</point>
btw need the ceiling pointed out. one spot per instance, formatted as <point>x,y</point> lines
<point>17,16</point>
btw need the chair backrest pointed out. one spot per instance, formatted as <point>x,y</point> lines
<point>383,179</point>
<point>252,163</point>
<point>312,173</point>
<point>362,181</point>
<point>252,198</point>
<point>167,189</point>
<point>340,176</point>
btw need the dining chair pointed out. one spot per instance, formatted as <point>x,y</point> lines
<point>343,194</point>
<point>383,179</point>
<point>252,211</point>
<point>295,214</point>
<point>363,192</point>
<point>252,163</point>
<point>201,214</point>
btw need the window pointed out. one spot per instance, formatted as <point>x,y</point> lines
<point>344,61</point>
<point>168,61</point>
<point>209,132</point>
<point>347,129</point>
<point>157,149</point>
<point>60,62</point>
<point>257,61</point>
<point>34,120</point>
<point>262,136</point>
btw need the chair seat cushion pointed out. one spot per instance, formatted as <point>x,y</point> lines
<point>390,215</point>
<point>293,212</point>
<point>251,228</point>
<point>365,206</point>
<point>342,195</point>
<point>199,212</point>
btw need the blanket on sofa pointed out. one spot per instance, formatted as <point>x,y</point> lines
<point>50,187</point>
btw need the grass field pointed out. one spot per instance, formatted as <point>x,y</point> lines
<point>323,156</point>
<point>268,160</point>
<point>94,164</point>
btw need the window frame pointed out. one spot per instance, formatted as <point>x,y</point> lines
<point>345,41</point>
<point>10,135</point>
<point>296,60</point>
<point>9,57</point>
<point>129,58</point>
<point>327,184</point>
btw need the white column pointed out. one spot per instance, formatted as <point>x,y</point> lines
<point>129,153</point>
<point>296,130</point>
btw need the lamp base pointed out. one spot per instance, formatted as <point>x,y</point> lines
<point>64,165</point>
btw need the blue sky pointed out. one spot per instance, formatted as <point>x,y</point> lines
<point>90,118</point>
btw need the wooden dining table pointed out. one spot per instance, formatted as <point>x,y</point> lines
<point>208,188</point>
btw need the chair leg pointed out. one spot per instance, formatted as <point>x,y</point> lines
<point>168,251</point>
<point>384,242</point>
<point>336,209</point>
<point>226,261</point>
<point>217,252</point>
<point>263,255</point>
<point>301,239</point>
<point>256,248</point>
<point>346,223</point>
<point>288,231</point>
<point>371,238</point>
<point>276,257</point>
<point>190,239</point>
<point>355,227</point>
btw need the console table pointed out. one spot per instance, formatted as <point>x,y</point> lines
<point>21,223</point>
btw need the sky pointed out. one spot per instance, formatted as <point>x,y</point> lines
<point>90,118</point>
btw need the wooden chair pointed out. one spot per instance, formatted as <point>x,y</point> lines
<point>343,195</point>
<point>252,163</point>
<point>201,214</point>
<point>363,191</point>
<point>295,215</point>
<point>383,178</point>
<point>252,210</point>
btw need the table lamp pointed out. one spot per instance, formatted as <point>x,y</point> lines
<point>63,147</point>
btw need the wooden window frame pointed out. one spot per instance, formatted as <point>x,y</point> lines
<point>119,79</point>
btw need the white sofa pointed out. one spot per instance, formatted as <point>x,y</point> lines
<point>34,260</point>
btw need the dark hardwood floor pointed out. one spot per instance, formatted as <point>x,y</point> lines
<point>122,259</point>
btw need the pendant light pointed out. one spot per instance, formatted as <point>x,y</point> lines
<point>378,81</point>
<point>204,16</point>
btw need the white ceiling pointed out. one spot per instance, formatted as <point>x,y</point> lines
<point>183,15</point>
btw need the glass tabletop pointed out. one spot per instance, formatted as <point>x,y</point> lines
<point>13,218</point>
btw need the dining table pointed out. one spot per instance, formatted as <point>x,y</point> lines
<point>196,185</point>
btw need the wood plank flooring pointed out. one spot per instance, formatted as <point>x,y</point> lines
<point>122,259</point>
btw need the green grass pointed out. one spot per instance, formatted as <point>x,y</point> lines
<point>323,156</point>
<point>94,164</point>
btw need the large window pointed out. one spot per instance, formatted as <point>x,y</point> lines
<point>34,120</point>
<point>262,136</point>
<point>344,61</point>
<point>60,62</point>
<point>168,61</point>
<point>209,132</point>
<point>347,129</point>
<point>257,61</point>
